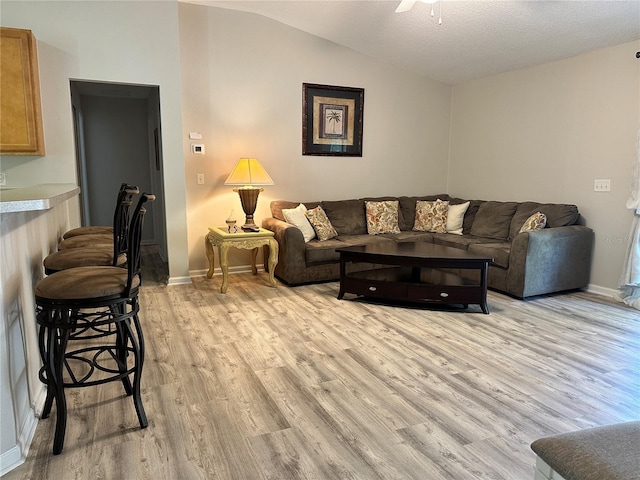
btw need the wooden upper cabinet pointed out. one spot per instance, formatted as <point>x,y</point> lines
<point>20,108</point>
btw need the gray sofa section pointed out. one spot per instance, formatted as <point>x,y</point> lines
<point>611,452</point>
<point>552,259</point>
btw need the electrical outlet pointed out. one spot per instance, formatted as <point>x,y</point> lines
<point>3,180</point>
<point>603,185</point>
<point>200,177</point>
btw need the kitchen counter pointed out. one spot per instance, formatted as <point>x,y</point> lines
<point>33,221</point>
<point>37,197</point>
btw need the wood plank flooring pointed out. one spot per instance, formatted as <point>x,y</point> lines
<point>291,383</point>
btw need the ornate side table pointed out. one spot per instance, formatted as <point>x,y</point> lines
<point>219,237</point>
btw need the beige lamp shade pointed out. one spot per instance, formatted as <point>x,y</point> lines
<point>248,172</point>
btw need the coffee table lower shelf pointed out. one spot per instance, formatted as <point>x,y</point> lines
<point>414,284</point>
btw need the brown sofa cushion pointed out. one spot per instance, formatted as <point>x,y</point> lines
<point>322,252</point>
<point>459,241</point>
<point>558,215</point>
<point>347,216</point>
<point>499,251</point>
<point>493,220</point>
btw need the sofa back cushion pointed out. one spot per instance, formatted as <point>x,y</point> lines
<point>558,215</point>
<point>493,220</point>
<point>278,205</point>
<point>347,216</point>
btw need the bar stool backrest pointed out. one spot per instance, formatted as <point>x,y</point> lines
<point>121,220</point>
<point>135,238</point>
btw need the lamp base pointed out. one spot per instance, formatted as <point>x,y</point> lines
<point>249,200</point>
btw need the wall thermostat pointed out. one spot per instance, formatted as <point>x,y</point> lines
<point>197,149</point>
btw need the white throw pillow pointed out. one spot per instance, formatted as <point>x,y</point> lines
<point>455,217</point>
<point>297,216</point>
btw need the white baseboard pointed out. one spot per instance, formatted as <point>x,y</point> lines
<point>232,270</point>
<point>18,454</point>
<point>604,291</point>
<point>592,288</point>
<point>10,460</point>
<point>217,272</point>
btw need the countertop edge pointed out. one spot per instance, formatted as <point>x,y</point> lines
<point>37,197</point>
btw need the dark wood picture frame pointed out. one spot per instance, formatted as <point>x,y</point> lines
<point>332,120</point>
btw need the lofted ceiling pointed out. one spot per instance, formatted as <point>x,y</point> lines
<point>477,38</point>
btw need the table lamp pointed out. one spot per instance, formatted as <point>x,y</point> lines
<point>247,174</point>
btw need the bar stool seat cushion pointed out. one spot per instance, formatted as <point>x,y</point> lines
<point>89,230</point>
<point>82,257</point>
<point>84,283</point>
<point>87,241</point>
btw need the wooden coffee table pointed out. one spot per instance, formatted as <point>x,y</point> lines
<point>418,272</point>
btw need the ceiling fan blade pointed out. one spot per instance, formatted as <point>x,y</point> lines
<point>405,6</point>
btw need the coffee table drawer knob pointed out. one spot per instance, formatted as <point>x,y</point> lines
<point>444,294</point>
<point>373,289</point>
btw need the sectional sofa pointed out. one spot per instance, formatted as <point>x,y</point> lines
<point>550,259</point>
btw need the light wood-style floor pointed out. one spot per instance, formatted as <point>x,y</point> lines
<point>291,383</point>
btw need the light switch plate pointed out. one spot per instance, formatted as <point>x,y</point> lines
<point>3,179</point>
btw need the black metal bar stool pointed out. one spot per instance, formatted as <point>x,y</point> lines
<point>114,255</point>
<point>99,240</point>
<point>97,307</point>
<point>99,229</point>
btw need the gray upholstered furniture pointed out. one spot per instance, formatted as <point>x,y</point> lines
<point>611,452</point>
<point>552,259</point>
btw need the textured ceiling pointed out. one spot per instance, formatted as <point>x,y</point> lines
<point>476,39</point>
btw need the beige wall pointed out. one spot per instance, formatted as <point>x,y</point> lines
<point>122,42</point>
<point>546,133</point>
<point>242,78</point>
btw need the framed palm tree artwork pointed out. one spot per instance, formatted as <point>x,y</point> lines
<point>332,120</point>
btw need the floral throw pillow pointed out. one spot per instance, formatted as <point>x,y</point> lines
<point>431,216</point>
<point>382,217</point>
<point>321,224</point>
<point>536,221</point>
